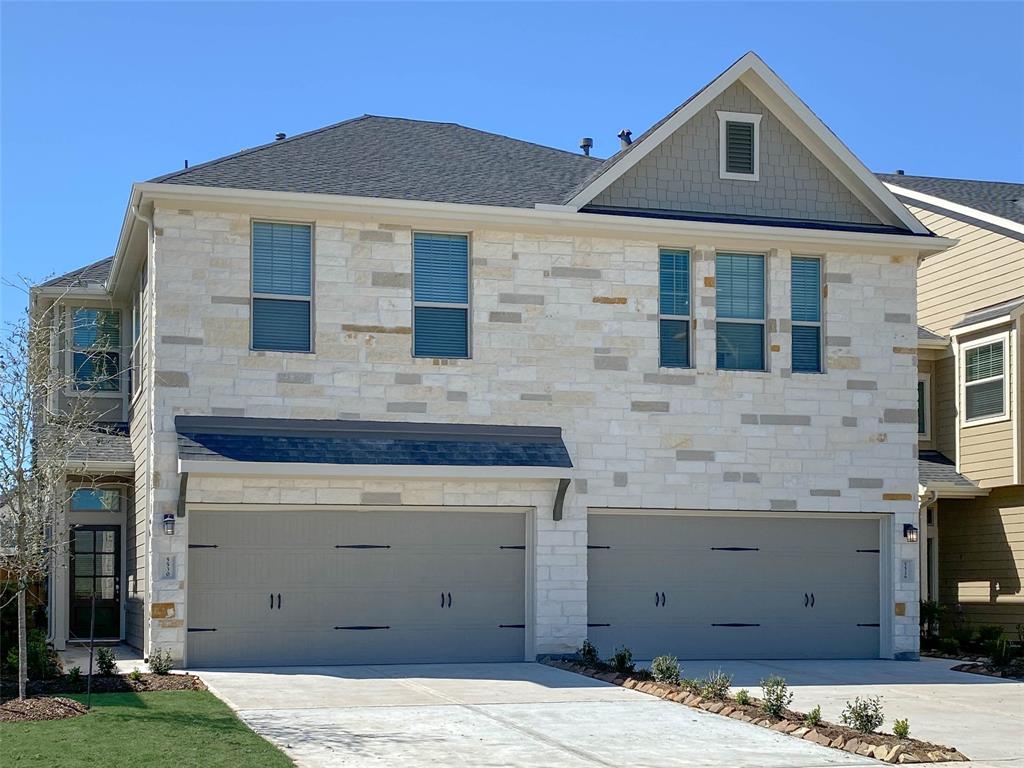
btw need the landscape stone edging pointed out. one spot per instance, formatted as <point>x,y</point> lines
<point>889,753</point>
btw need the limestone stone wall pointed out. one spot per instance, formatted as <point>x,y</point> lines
<point>564,333</point>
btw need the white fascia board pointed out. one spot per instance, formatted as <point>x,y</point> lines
<point>974,213</point>
<point>948,491</point>
<point>932,344</point>
<point>993,322</point>
<point>80,292</point>
<point>228,468</point>
<point>104,467</point>
<point>553,219</point>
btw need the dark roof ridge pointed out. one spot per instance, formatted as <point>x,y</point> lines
<point>948,178</point>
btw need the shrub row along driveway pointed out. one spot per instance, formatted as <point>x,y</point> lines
<point>489,715</point>
<point>981,716</point>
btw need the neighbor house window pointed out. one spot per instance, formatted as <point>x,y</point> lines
<point>440,295</point>
<point>923,406</point>
<point>740,309</point>
<point>985,380</point>
<point>282,286</point>
<point>96,349</point>
<point>739,156</point>
<point>805,306</point>
<point>674,308</point>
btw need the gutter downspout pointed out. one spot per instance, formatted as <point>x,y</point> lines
<point>150,404</point>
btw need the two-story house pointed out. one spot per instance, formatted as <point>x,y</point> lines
<point>970,303</point>
<point>409,391</point>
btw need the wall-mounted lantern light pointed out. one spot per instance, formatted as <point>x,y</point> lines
<point>910,533</point>
<point>169,523</point>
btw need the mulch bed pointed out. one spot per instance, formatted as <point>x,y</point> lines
<point>106,684</point>
<point>984,668</point>
<point>41,708</point>
<point>880,746</point>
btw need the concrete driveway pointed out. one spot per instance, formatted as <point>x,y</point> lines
<point>981,716</point>
<point>525,715</point>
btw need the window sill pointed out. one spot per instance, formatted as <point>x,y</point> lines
<point>984,421</point>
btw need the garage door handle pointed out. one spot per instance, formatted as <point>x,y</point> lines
<point>449,599</point>
<point>278,601</point>
<point>812,599</point>
<point>807,600</point>
<point>271,601</point>
<point>662,599</point>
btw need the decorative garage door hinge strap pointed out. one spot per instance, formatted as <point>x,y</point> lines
<point>202,629</point>
<point>511,626</point>
<point>735,624</point>
<point>202,546</point>
<point>868,625</point>
<point>363,627</point>
<point>735,549</point>
<point>875,551</point>
<point>598,625</point>
<point>598,546</point>
<point>512,546</point>
<point>362,546</point>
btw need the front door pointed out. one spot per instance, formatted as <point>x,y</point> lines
<point>96,570</point>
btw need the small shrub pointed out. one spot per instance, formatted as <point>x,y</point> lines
<point>901,729</point>
<point>160,662</point>
<point>691,685</point>
<point>588,654</point>
<point>43,662</point>
<point>777,695</point>
<point>622,659</point>
<point>666,669</point>
<point>75,677</point>
<point>715,685</point>
<point>813,717</point>
<point>1002,653</point>
<point>950,646</point>
<point>743,696</point>
<point>106,663</point>
<point>864,715</point>
<point>989,634</point>
<point>135,675</point>
<point>964,635</point>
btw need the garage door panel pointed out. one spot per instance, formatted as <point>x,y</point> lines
<point>739,587</point>
<point>356,587</point>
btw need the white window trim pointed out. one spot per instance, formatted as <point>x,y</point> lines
<point>467,305</point>
<point>820,324</point>
<point>1001,338</point>
<point>763,322</point>
<point>687,318</point>
<point>253,295</point>
<point>926,378</point>
<point>739,117</point>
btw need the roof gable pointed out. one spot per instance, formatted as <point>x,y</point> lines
<point>682,173</point>
<point>395,158</point>
<point>805,128</point>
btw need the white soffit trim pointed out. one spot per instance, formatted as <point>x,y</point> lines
<point>198,468</point>
<point>974,213</point>
<point>795,115</point>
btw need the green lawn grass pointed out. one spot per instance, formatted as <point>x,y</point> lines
<point>167,729</point>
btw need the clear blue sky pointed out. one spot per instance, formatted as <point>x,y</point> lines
<point>98,95</point>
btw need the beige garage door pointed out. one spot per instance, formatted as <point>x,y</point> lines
<point>734,587</point>
<point>295,588</point>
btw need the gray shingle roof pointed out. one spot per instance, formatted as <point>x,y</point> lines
<point>992,312</point>
<point>933,468</point>
<point>396,158</point>
<point>109,443</point>
<point>94,274</point>
<point>923,334</point>
<point>999,198</point>
<point>206,438</point>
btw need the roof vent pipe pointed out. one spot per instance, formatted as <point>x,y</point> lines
<point>899,171</point>
<point>624,137</point>
<point>280,136</point>
<point>586,144</point>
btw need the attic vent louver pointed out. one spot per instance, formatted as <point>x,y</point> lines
<point>739,147</point>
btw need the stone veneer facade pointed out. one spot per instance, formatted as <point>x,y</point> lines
<point>564,333</point>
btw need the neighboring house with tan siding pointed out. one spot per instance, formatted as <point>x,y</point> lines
<point>970,303</point>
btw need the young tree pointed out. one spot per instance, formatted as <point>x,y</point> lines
<point>40,431</point>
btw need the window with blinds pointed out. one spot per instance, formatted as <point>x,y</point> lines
<point>985,381</point>
<point>440,295</point>
<point>96,349</point>
<point>740,309</point>
<point>674,308</point>
<point>282,286</point>
<point>922,407</point>
<point>805,310</point>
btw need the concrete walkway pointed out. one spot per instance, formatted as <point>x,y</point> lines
<point>981,716</point>
<point>524,715</point>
